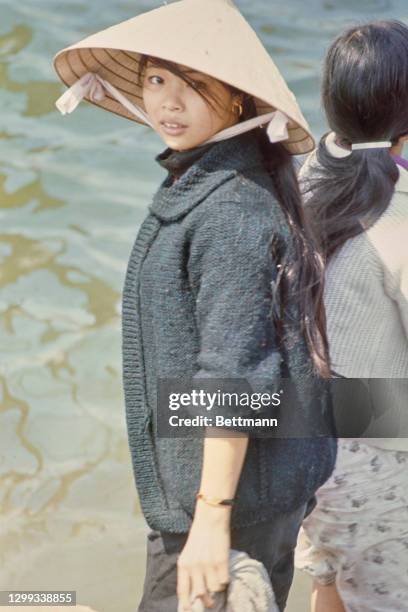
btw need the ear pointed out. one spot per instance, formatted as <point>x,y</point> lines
<point>403,139</point>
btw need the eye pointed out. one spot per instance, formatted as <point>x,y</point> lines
<point>158,81</point>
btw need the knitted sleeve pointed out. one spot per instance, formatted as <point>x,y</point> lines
<point>232,270</point>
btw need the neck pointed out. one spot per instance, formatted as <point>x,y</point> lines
<point>177,162</point>
<point>397,149</point>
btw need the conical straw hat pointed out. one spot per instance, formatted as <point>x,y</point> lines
<point>210,36</point>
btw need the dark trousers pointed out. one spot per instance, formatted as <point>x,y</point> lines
<point>271,542</point>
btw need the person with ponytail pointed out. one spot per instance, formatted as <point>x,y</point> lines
<point>223,282</point>
<point>355,542</point>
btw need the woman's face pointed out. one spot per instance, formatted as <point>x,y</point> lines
<point>179,114</point>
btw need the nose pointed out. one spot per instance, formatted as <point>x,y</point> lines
<point>171,105</point>
<point>173,99</point>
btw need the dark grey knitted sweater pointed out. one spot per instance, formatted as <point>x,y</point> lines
<point>197,301</point>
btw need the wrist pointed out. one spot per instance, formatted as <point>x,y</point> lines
<point>218,514</point>
<point>215,501</point>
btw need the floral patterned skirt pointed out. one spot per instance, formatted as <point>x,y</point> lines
<point>357,536</point>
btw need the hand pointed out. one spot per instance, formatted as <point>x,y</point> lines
<point>202,566</point>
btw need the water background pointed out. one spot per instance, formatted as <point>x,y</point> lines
<point>73,191</point>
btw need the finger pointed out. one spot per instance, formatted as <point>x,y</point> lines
<point>198,588</point>
<point>183,587</point>
<point>208,600</point>
<point>213,583</point>
<point>223,573</point>
<point>215,588</point>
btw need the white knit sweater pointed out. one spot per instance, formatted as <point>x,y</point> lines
<point>366,299</point>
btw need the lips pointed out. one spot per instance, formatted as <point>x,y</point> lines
<point>173,124</point>
<point>173,128</point>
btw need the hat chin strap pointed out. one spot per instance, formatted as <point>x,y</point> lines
<point>276,130</point>
<point>94,87</point>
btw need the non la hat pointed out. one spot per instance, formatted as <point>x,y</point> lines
<point>209,36</point>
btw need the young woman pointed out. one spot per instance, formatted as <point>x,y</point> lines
<point>355,542</point>
<point>221,283</point>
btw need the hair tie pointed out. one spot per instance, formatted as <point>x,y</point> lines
<point>385,144</point>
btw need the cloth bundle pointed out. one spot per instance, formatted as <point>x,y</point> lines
<point>249,589</point>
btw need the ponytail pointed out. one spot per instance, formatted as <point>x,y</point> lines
<point>365,99</point>
<point>346,196</point>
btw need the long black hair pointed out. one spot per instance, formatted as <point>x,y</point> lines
<point>365,98</point>
<point>301,274</point>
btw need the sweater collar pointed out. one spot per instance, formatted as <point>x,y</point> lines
<point>177,162</point>
<point>220,162</point>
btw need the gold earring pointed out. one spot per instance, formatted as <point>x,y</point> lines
<point>238,105</point>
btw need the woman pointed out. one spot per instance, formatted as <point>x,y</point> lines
<point>210,292</point>
<point>355,543</point>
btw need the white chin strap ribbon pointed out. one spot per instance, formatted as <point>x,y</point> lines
<point>94,87</point>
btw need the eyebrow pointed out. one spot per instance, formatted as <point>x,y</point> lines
<point>190,72</point>
<point>197,73</point>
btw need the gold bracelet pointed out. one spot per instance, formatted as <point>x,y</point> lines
<point>215,501</point>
